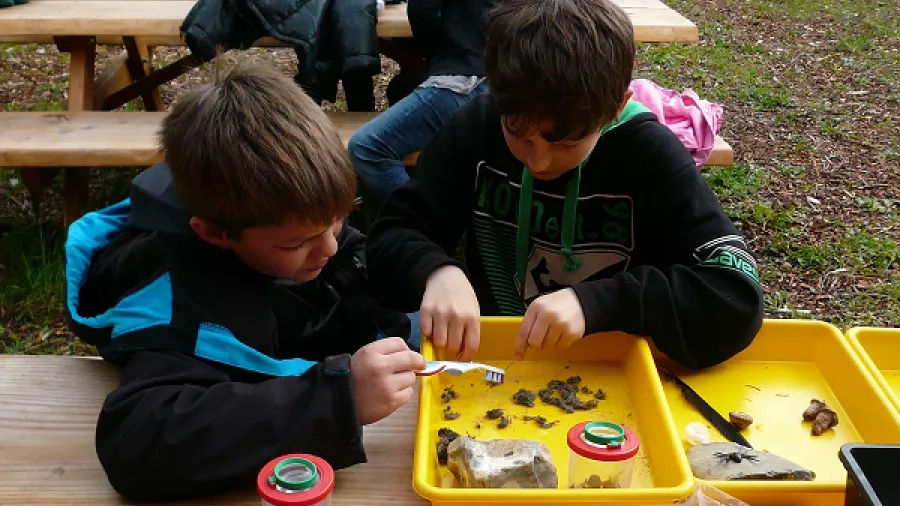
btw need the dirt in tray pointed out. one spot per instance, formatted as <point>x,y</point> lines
<point>540,421</point>
<point>493,414</point>
<point>449,414</point>
<point>524,398</point>
<point>445,437</point>
<point>564,394</point>
<point>448,395</point>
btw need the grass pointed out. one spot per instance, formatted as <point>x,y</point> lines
<point>719,69</point>
<point>734,183</point>
<point>856,45</point>
<point>33,273</point>
<point>32,269</point>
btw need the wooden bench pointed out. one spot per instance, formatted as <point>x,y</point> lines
<point>127,139</point>
<point>48,412</point>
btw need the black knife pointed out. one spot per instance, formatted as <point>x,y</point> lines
<point>709,413</point>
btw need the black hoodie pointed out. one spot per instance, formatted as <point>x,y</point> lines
<point>223,368</point>
<point>451,33</point>
<point>636,233</point>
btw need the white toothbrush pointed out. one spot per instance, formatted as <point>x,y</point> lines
<point>492,374</point>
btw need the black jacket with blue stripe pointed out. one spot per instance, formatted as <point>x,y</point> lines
<point>223,368</point>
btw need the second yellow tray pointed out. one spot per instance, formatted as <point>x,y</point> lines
<point>773,380</point>
<point>879,350</point>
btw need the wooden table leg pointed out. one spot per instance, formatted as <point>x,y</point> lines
<point>139,67</point>
<point>81,98</point>
<point>36,181</point>
<point>113,78</point>
<point>152,81</point>
<point>81,77</point>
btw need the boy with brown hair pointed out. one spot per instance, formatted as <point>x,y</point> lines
<point>235,299</point>
<point>581,211</point>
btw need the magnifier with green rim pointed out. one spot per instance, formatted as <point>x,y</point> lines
<point>296,480</point>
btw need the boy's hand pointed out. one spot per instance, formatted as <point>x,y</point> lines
<point>450,314</point>
<point>555,319</point>
<point>383,377</point>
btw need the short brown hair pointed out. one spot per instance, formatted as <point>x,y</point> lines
<point>252,149</point>
<point>565,61</point>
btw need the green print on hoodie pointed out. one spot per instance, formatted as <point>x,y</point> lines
<point>556,239</point>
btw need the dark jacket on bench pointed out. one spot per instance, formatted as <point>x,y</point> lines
<point>223,368</point>
<point>332,39</point>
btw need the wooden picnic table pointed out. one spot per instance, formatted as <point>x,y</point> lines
<point>77,26</point>
<point>48,413</point>
<point>158,20</point>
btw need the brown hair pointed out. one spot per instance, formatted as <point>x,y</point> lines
<point>565,61</point>
<point>252,149</point>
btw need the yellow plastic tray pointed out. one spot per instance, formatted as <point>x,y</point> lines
<point>879,350</point>
<point>619,364</point>
<point>773,380</point>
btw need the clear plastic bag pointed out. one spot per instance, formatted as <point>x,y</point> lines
<point>705,495</point>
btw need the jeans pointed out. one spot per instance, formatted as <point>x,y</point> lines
<point>378,148</point>
<point>415,333</point>
<point>414,340</point>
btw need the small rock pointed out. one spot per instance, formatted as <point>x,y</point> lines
<point>814,406</point>
<point>821,415</point>
<point>740,419</point>
<point>825,419</point>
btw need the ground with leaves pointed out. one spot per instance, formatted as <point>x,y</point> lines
<point>811,98</point>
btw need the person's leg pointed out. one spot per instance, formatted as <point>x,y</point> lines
<point>414,340</point>
<point>415,333</point>
<point>377,149</point>
<point>359,91</point>
<point>402,85</point>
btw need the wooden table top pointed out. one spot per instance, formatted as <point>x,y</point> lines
<point>158,21</point>
<point>48,412</point>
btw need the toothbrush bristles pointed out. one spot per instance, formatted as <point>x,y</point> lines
<point>493,377</point>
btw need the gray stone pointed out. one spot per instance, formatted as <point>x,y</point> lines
<point>501,463</point>
<point>731,461</point>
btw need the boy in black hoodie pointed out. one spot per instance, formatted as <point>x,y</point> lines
<point>232,295</point>
<point>581,211</point>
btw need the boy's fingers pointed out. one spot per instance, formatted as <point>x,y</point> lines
<point>554,334</point>
<point>439,331</point>
<point>418,361</point>
<point>524,333</point>
<point>471,340</point>
<point>401,380</point>
<point>538,332</point>
<point>425,322</point>
<point>567,340</point>
<point>403,396</point>
<point>389,345</point>
<point>405,361</point>
<point>455,329</point>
